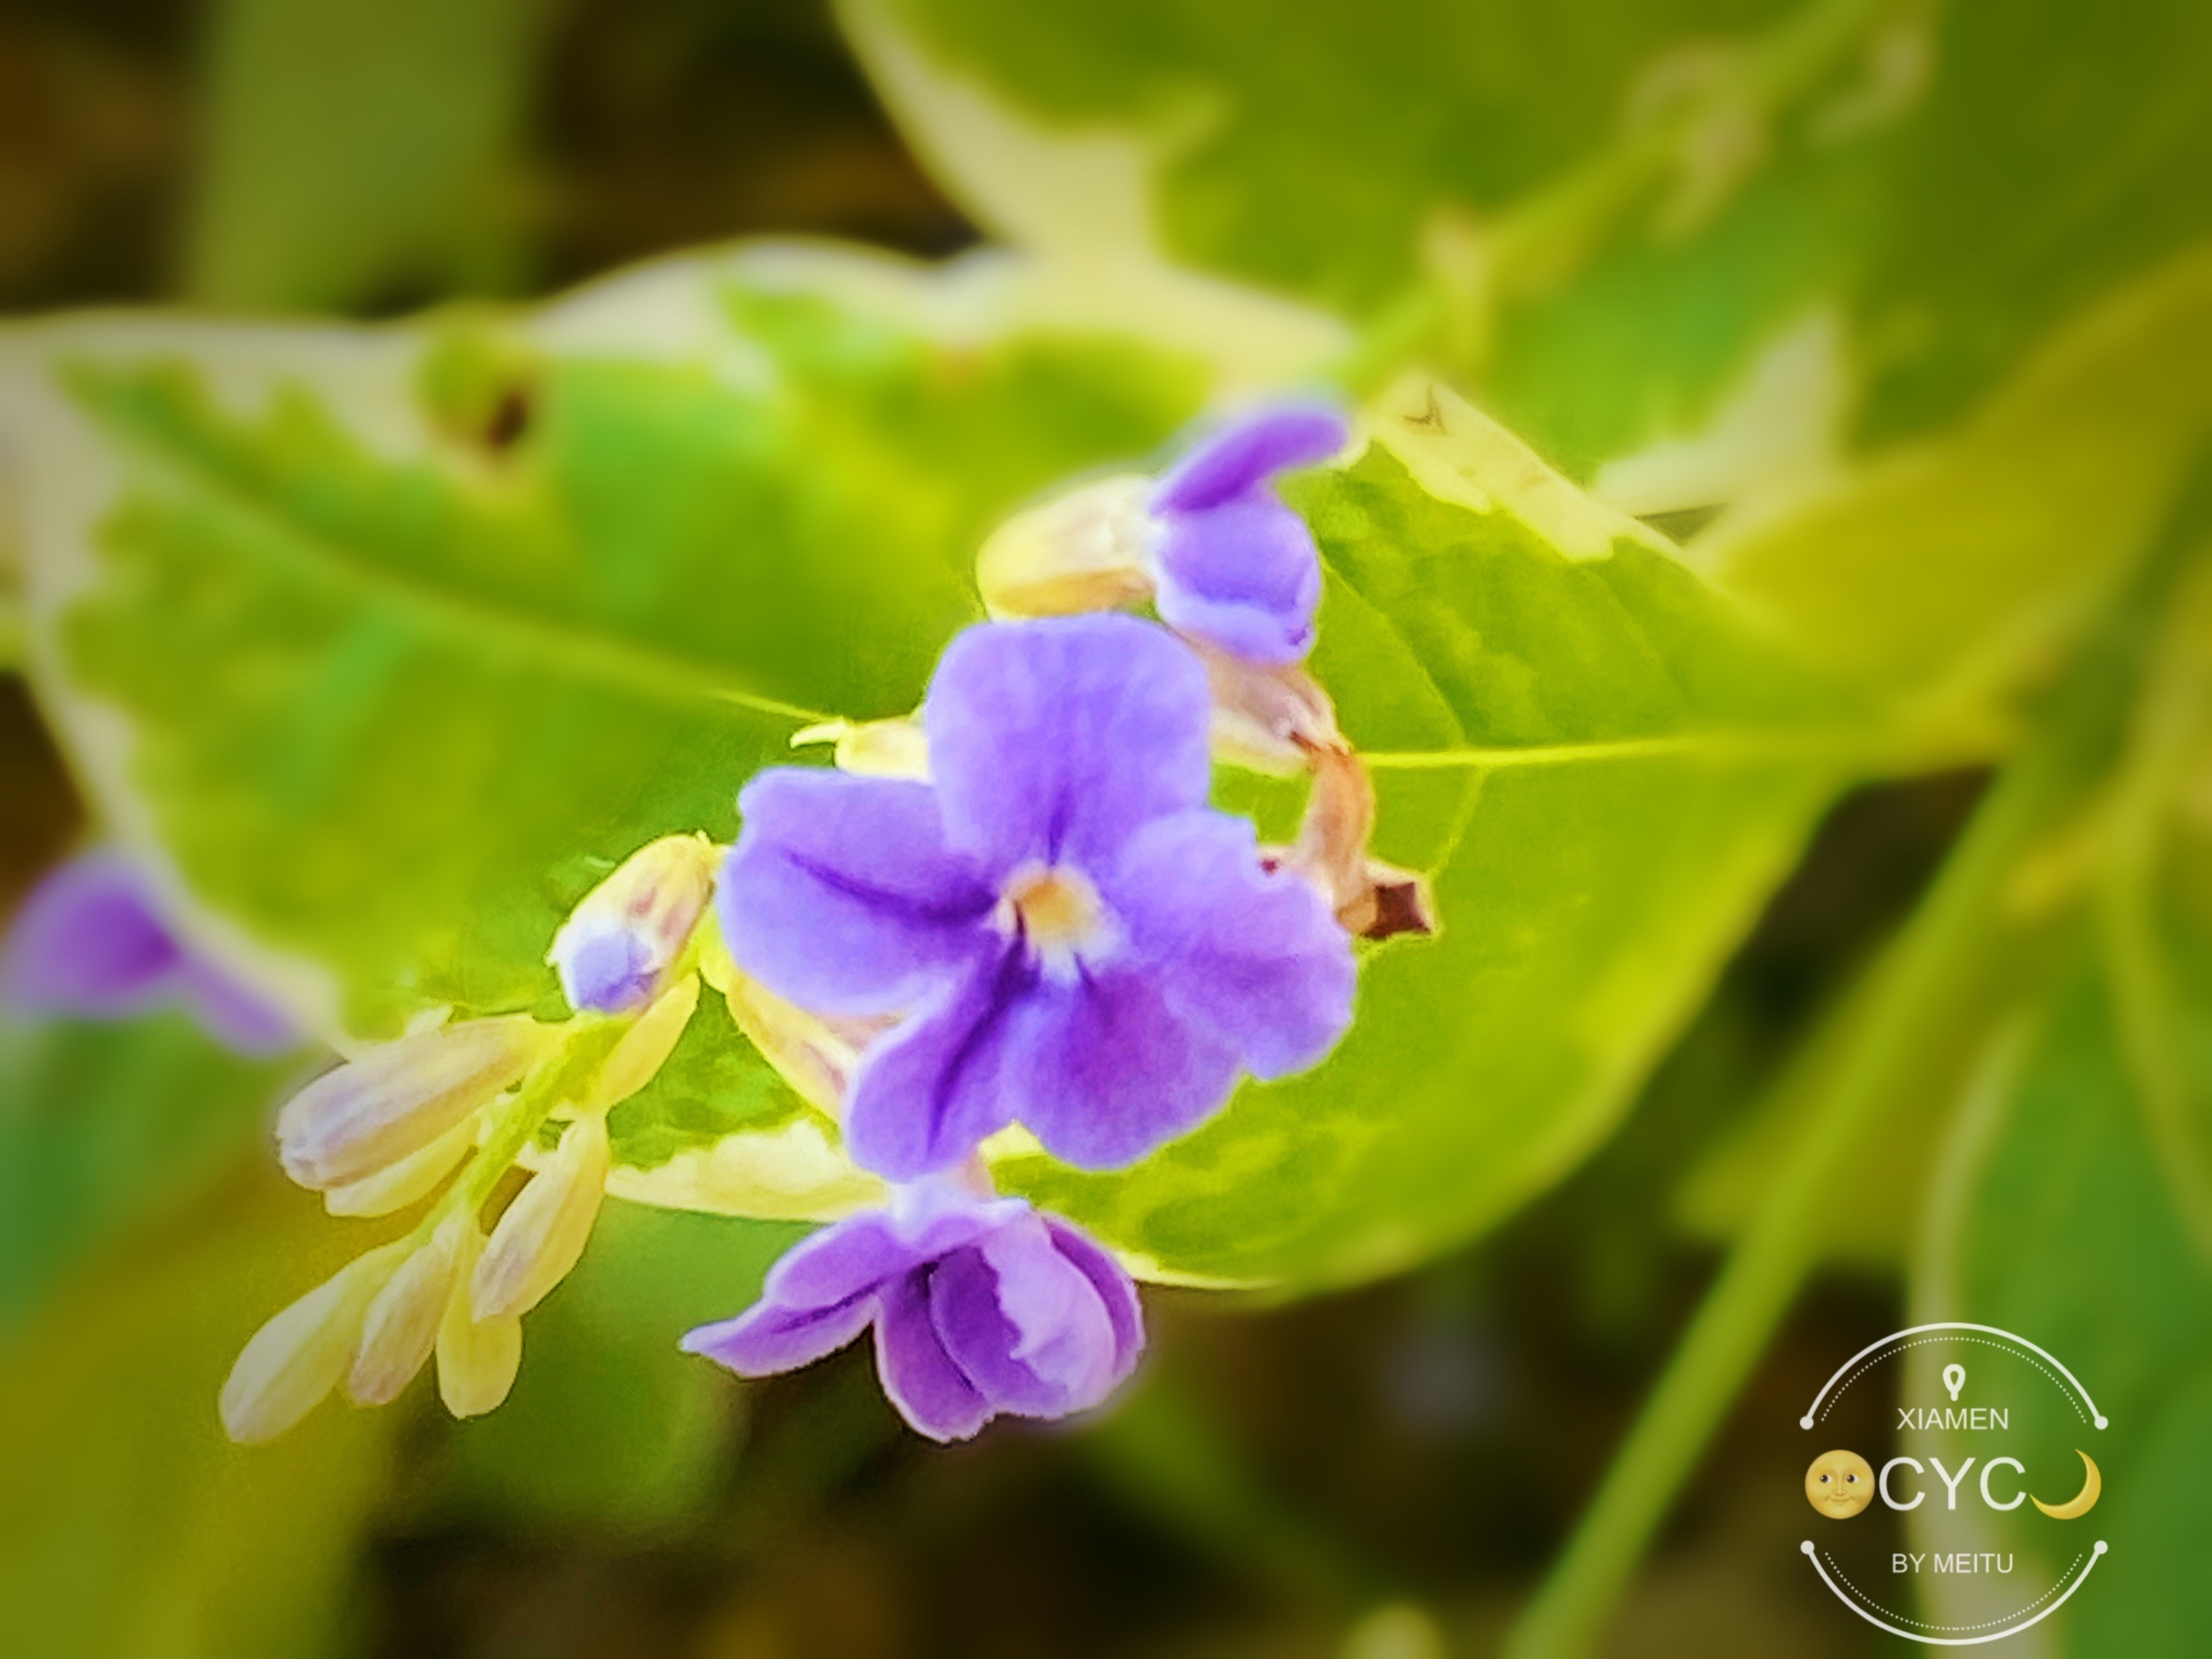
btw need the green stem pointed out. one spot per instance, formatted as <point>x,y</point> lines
<point>15,632</point>
<point>1935,985</point>
<point>2146,1004</point>
<point>561,1078</point>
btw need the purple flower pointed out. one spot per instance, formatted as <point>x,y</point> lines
<point>89,943</point>
<point>1075,938</point>
<point>1238,569</point>
<point>980,1305</point>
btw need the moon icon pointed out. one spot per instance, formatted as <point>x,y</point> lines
<point>1840,1483</point>
<point>2083,1501</point>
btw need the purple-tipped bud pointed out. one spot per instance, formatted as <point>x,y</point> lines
<point>1239,570</point>
<point>617,950</point>
<point>1226,563</point>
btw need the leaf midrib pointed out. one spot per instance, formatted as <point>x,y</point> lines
<point>1808,743</point>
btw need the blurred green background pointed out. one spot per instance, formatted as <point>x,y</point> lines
<point>1383,1473</point>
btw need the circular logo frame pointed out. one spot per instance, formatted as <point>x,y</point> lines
<point>1960,1338</point>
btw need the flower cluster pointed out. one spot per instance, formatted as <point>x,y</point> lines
<point>1018,909</point>
<point>1065,935</point>
<point>455,1107</point>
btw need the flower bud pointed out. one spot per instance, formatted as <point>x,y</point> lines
<point>806,1052</point>
<point>616,948</point>
<point>872,749</point>
<point>299,1356</point>
<point>1089,549</point>
<point>477,1357</point>
<point>644,1048</point>
<point>544,1230</point>
<point>398,1185</point>
<point>402,1323</point>
<point>400,1097</point>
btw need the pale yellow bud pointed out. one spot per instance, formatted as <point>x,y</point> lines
<point>544,1231</point>
<point>397,1099</point>
<point>413,1177</point>
<point>616,949</point>
<point>808,1054</point>
<point>644,1048</point>
<point>477,1357</point>
<point>1089,549</point>
<point>873,748</point>
<point>299,1356</point>
<point>402,1323</point>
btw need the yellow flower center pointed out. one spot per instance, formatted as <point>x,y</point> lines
<point>1055,909</point>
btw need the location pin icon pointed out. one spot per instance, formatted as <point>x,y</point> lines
<point>1954,1378</point>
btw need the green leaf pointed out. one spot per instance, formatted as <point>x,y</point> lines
<point>1608,216</point>
<point>390,687</point>
<point>1602,769</point>
<point>349,155</point>
<point>712,1086</point>
<point>1944,573</point>
<point>1306,147</point>
<point>108,1128</point>
<point>392,643</point>
<point>1375,161</point>
<point>2059,153</point>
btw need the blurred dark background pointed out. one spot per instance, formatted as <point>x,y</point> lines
<point>1380,1474</point>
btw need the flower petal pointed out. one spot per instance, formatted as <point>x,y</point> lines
<point>964,1307</point>
<point>924,1096</point>
<point>841,894</point>
<point>768,1337</point>
<point>1104,1071</point>
<point>89,941</point>
<point>1249,451</point>
<point>930,1390</point>
<point>1245,577</point>
<point>1117,1292</point>
<point>1062,1331</point>
<point>840,1260</point>
<point>1252,956</point>
<point>1024,1323</point>
<point>1053,740</point>
<point>818,1297</point>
